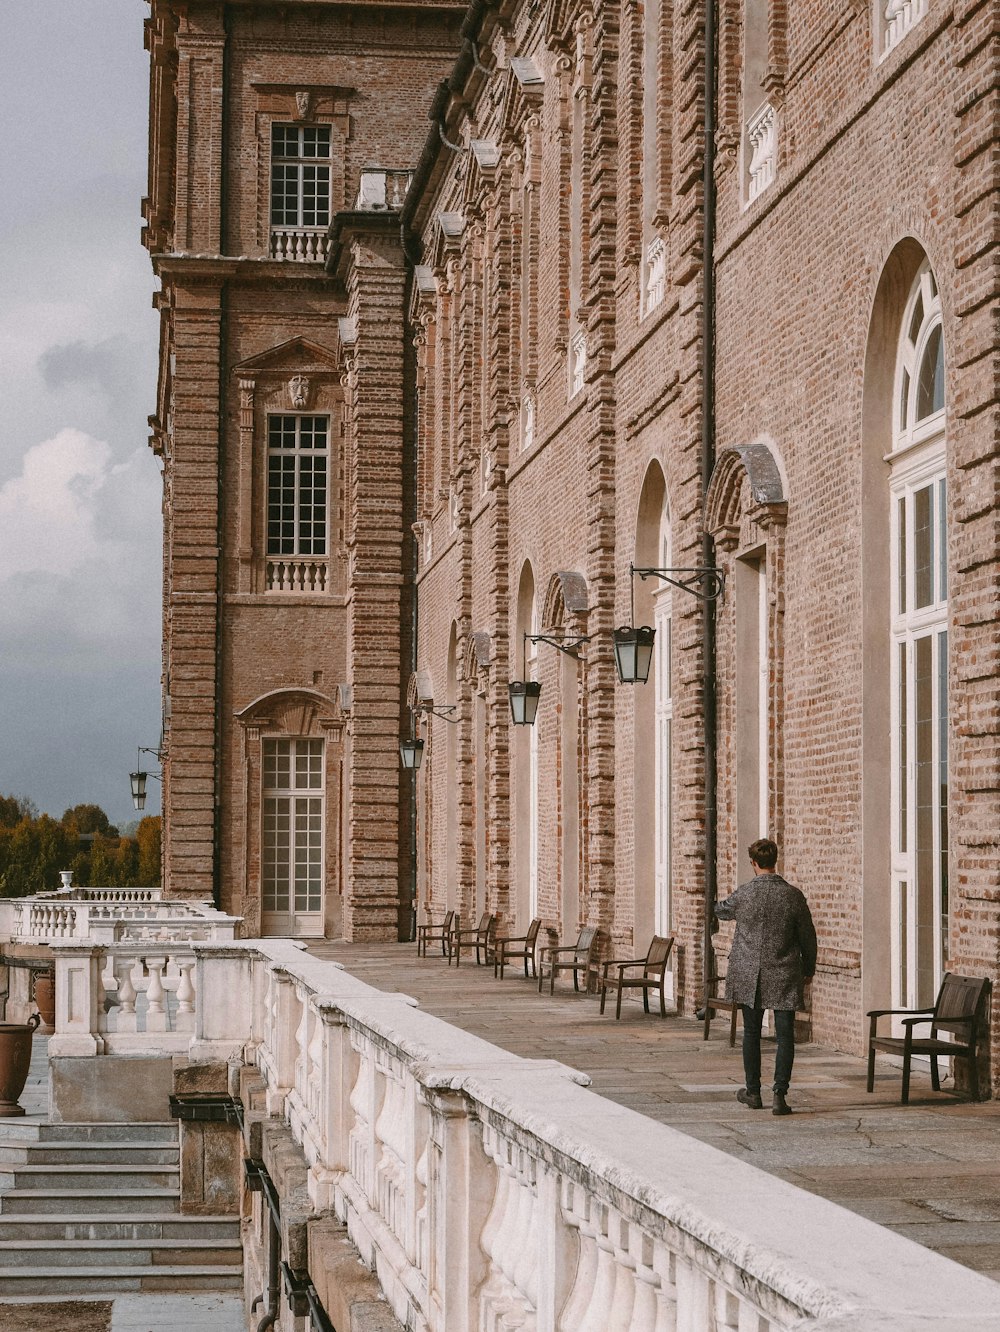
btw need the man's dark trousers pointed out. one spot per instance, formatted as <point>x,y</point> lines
<point>784,1029</point>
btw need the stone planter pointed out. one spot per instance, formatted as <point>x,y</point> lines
<point>15,1058</point>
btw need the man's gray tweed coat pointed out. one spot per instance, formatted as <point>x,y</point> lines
<point>775,943</point>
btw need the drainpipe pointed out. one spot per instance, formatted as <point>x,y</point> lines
<point>220,499</point>
<point>273,1272</point>
<point>707,465</point>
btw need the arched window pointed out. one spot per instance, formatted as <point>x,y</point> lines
<point>653,717</point>
<point>919,651</point>
<point>664,706</point>
<point>526,757</point>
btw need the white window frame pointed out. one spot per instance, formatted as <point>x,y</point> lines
<point>302,163</point>
<point>663,764</point>
<point>918,461</point>
<point>293,899</point>
<point>531,663</point>
<point>297,454</point>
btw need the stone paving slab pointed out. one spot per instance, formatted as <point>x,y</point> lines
<point>929,1170</point>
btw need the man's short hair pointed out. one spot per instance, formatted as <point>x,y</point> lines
<point>764,853</point>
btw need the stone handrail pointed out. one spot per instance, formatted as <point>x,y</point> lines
<point>491,1191</point>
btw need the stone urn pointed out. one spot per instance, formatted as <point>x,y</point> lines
<point>15,1058</point>
<point>45,998</point>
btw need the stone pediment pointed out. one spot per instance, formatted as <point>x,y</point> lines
<point>522,96</point>
<point>298,355</point>
<point>447,237</point>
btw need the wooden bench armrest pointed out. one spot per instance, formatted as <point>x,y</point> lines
<point>896,1012</point>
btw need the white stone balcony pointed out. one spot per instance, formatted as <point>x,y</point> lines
<point>491,1191</point>
<point>108,915</point>
<point>302,245</point>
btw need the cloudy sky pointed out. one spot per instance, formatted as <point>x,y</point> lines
<point>79,488</point>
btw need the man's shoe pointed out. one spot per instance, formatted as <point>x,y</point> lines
<point>750,1099</point>
<point>779,1106</point>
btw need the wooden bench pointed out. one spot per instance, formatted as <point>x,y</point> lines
<point>654,974</point>
<point>443,933</point>
<point>578,957</point>
<point>957,1010</point>
<point>715,1004</point>
<point>506,949</point>
<point>480,939</point>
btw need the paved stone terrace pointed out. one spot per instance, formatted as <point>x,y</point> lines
<point>929,1170</point>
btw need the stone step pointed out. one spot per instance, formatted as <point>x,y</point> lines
<point>88,1201</point>
<point>51,1254</point>
<point>143,1227</point>
<point>109,1177</point>
<point>58,1283</point>
<point>18,1130</point>
<point>89,1153</point>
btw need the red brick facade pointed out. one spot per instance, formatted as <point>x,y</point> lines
<point>520,378</point>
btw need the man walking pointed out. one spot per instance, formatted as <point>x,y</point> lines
<point>773,954</point>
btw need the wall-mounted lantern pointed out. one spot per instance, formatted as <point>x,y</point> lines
<point>411,751</point>
<point>137,779</point>
<point>634,646</point>
<point>524,693</point>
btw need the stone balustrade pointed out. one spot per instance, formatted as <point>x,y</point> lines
<point>491,1192</point>
<point>105,915</point>
<point>124,997</point>
<point>302,245</point>
<point>295,575</point>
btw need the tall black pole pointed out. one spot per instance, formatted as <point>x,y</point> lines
<point>707,465</point>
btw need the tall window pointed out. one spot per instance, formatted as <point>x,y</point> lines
<point>919,633</point>
<point>300,175</point>
<point>532,663</point>
<point>292,851</point>
<point>297,464</point>
<point>664,708</point>
<point>654,250</point>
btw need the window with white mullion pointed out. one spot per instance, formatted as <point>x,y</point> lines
<point>297,483</point>
<point>664,709</point>
<point>300,176</point>
<point>919,656</point>
<point>292,842</point>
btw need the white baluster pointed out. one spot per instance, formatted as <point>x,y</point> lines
<point>125,1017</point>
<point>185,994</point>
<point>156,1016</point>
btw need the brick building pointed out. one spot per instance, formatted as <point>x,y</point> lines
<point>513,362</point>
<point>283,568</point>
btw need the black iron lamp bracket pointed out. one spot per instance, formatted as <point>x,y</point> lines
<point>705,582</point>
<point>442,710</point>
<point>568,643</point>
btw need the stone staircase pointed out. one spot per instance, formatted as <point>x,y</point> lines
<point>88,1210</point>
